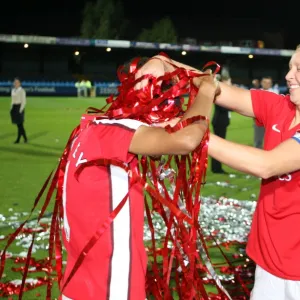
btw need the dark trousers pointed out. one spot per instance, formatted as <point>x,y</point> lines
<point>21,132</point>
<point>220,131</point>
<point>259,133</point>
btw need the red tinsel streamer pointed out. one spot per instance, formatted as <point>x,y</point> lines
<point>184,253</point>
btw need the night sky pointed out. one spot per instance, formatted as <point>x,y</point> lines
<point>204,20</point>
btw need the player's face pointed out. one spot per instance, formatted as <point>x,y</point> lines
<point>266,83</point>
<point>17,83</point>
<point>293,78</point>
<point>255,83</point>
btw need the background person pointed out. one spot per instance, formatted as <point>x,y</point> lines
<point>259,131</point>
<point>220,122</point>
<point>17,112</point>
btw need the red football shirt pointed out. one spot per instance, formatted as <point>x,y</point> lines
<point>115,267</point>
<point>274,240</point>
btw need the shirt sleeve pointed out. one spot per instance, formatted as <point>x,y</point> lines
<point>113,138</point>
<point>23,100</point>
<point>265,104</point>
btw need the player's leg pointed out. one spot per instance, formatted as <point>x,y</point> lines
<point>259,133</point>
<point>216,166</point>
<point>19,133</point>
<point>23,132</point>
<point>267,286</point>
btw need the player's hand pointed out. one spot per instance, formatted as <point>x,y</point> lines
<point>154,67</point>
<point>207,83</point>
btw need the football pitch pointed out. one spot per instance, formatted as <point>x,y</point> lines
<point>48,123</point>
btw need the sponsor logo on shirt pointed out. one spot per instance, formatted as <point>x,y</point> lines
<point>274,127</point>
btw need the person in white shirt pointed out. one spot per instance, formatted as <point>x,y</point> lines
<point>18,103</point>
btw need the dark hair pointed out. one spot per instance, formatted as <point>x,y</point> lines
<point>165,85</point>
<point>17,78</point>
<point>267,77</point>
<point>141,62</point>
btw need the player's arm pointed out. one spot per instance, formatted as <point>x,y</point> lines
<point>283,159</point>
<point>156,141</point>
<point>231,97</point>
